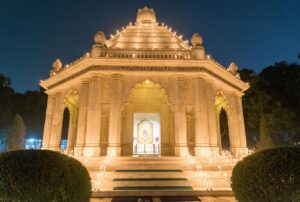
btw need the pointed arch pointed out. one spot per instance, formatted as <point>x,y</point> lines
<point>69,125</point>
<point>223,121</point>
<point>147,99</point>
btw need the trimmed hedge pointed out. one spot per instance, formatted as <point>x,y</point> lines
<point>41,175</point>
<point>268,176</point>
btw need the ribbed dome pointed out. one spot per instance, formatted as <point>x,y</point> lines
<point>146,34</point>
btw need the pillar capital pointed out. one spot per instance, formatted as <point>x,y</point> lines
<point>117,76</point>
<point>178,78</point>
<point>84,80</point>
<point>199,76</point>
<point>208,82</point>
<point>95,76</point>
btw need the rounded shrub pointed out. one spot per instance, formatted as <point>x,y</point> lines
<point>268,176</point>
<point>41,175</point>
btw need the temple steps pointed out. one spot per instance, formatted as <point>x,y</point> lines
<point>125,175</point>
<point>186,174</point>
<point>114,167</point>
<point>194,183</point>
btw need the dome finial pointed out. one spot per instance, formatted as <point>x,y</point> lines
<point>196,39</point>
<point>100,38</point>
<point>146,16</point>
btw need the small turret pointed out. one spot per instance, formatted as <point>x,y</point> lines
<point>198,51</point>
<point>233,69</point>
<point>56,67</point>
<point>99,48</point>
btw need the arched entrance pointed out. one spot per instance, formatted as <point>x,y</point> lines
<point>65,128</point>
<point>222,122</point>
<point>146,121</point>
<point>71,103</point>
<point>224,131</point>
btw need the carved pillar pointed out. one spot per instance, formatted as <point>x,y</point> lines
<point>211,115</point>
<point>82,115</point>
<point>180,118</point>
<point>127,146</point>
<point>233,126</point>
<point>94,115</point>
<point>237,128</point>
<point>72,130</point>
<point>243,140</point>
<point>201,118</point>
<point>48,121</point>
<point>55,136</point>
<point>114,143</point>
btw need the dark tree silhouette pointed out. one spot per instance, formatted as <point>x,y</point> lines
<point>16,137</point>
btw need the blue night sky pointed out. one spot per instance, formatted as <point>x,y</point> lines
<point>254,34</point>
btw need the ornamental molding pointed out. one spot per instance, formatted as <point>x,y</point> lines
<point>93,68</point>
<point>126,69</point>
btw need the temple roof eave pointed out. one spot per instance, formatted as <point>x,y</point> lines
<point>89,65</point>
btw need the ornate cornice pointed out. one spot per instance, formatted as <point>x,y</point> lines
<point>174,69</point>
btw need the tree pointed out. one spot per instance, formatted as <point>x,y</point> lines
<point>265,141</point>
<point>32,108</point>
<point>4,81</point>
<point>16,137</point>
<point>273,103</point>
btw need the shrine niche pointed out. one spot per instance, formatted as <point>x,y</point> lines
<point>145,132</point>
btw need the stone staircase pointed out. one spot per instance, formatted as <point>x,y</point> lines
<point>159,176</point>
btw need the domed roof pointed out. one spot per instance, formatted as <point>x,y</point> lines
<point>147,34</point>
<point>146,16</point>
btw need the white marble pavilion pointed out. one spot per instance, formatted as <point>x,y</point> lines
<point>145,90</point>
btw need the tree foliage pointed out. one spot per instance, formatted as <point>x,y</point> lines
<point>16,137</point>
<point>31,106</point>
<point>271,175</point>
<point>41,175</point>
<point>272,104</point>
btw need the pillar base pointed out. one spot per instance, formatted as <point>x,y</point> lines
<point>78,151</point>
<point>51,148</point>
<point>239,151</point>
<point>202,150</point>
<point>92,151</point>
<point>214,150</point>
<point>114,150</point>
<point>181,151</point>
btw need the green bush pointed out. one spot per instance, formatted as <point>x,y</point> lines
<point>268,176</point>
<point>42,176</point>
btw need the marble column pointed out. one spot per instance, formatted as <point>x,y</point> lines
<point>48,121</point>
<point>82,115</point>
<point>241,145</point>
<point>56,128</point>
<point>94,115</point>
<point>233,125</point>
<point>114,139</point>
<point>243,141</point>
<point>180,118</point>
<point>201,120</point>
<point>212,118</point>
<point>72,130</point>
<point>127,140</point>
